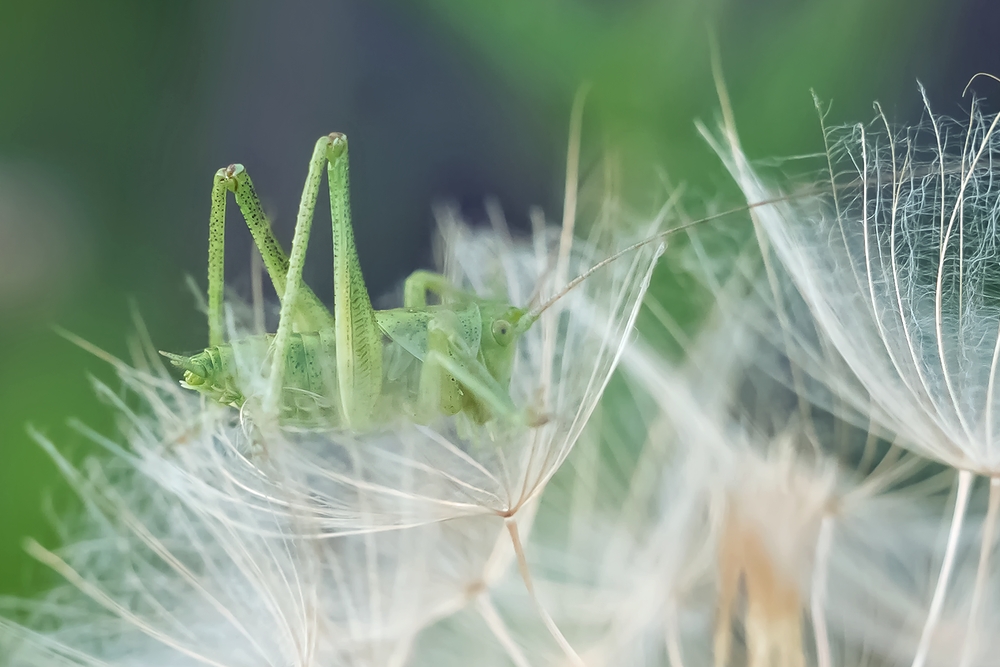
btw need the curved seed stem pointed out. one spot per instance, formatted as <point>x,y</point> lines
<point>818,601</point>
<point>937,602</point>
<point>489,613</point>
<point>550,624</point>
<point>982,572</point>
<point>673,637</point>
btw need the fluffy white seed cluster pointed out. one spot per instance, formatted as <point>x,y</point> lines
<point>800,489</point>
<point>211,536</point>
<point>883,302</point>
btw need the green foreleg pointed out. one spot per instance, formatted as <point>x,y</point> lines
<point>440,392</point>
<point>452,379</point>
<point>419,283</point>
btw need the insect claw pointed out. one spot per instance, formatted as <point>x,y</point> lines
<point>230,176</point>
<point>338,145</point>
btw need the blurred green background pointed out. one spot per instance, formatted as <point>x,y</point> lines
<point>115,115</point>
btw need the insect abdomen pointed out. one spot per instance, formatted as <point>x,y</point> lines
<point>310,392</point>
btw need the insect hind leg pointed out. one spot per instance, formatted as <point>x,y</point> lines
<point>293,287</point>
<point>359,338</point>
<point>310,314</point>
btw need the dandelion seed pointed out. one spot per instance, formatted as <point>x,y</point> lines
<point>243,575</point>
<point>324,547</point>
<point>694,538</point>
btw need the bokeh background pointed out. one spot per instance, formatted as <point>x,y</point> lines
<point>115,115</point>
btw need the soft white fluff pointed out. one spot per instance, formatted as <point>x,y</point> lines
<point>211,537</point>
<point>897,264</point>
<point>893,255</point>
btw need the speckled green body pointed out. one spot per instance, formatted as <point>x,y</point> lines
<point>355,367</point>
<point>229,372</point>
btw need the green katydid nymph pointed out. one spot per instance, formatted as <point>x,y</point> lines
<point>357,367</point>
<point>340,368</point>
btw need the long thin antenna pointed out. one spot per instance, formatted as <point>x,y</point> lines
<point>534,314</point>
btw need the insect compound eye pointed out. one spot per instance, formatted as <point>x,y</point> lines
<point>503,332</point>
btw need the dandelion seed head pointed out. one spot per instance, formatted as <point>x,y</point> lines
<point>156,576</point>
<point>896,263</point>
<point>733,532</point>
<point>212,535</point>
<point>412,474</point>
